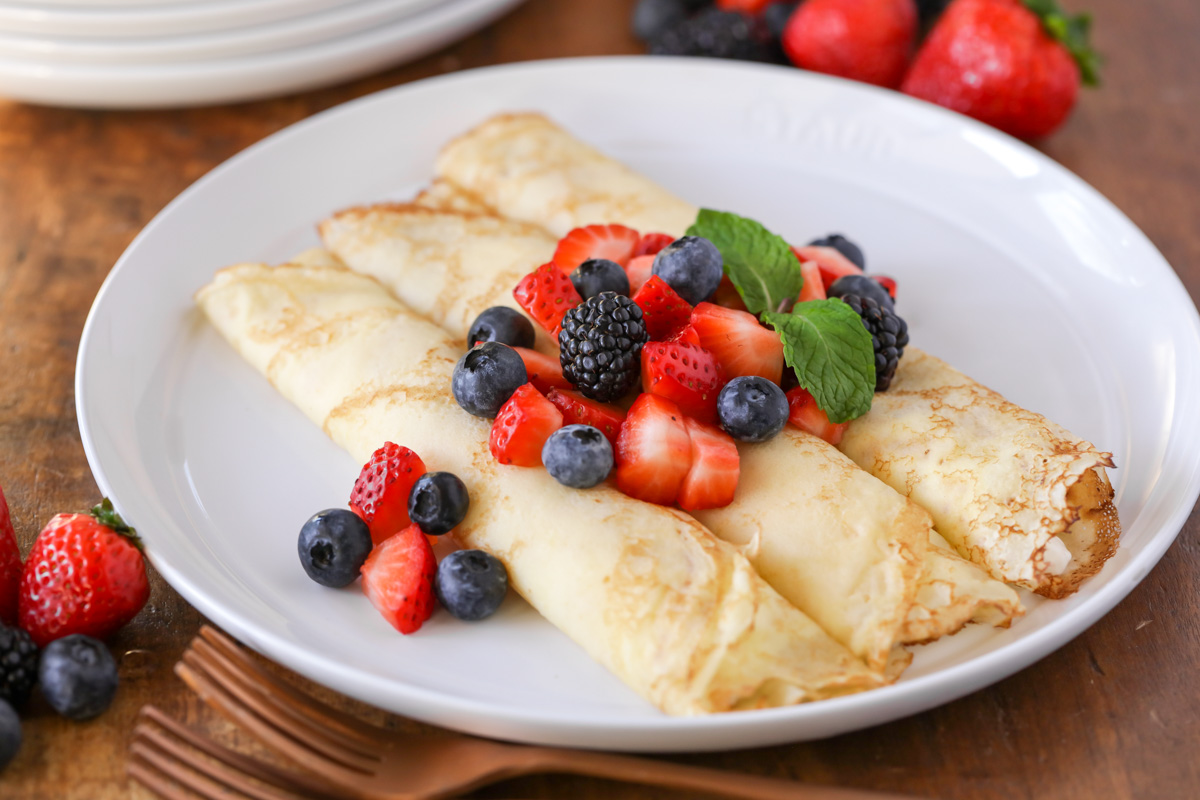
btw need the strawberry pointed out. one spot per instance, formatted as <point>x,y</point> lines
<point>614,242</point>
<point>739,343</point>
<point>398,579</point>
<point>544,372</point>
<point>727,295</point>
<point>664,311</point>
<point>831,264</point>
<point>864,40</point>
<point>685,374</point>
<point>85,574</point>
<point>889,284</point>
<point>651,243</point>
<point>638,270</point>
<point>380,494</point>
<point>805,414</point>
<point>653,452</point>
<point>1005,64</point>
<point>523,425</point>
<point>579,410</point>
<point>687,334</point>
<point>814,285</point>
<point>712,480</point>
<point>10,566</point>
<point>547,294</point>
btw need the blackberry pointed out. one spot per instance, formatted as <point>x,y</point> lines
<point>18,665</point>
<point>601,342</point>
<point>717,34</point>
<point>889,335</point>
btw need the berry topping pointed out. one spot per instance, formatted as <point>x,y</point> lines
<point>600,343</point>
<point>10,566</point>
<point>692,266</point>
<point>862,286</point>
<point>745,6</point>
<point>10,734</point>
<point>717,34</point>
<point>613,242</point>
<point>471,584</point>
<point>522,427</point>
<point>805,414</point>
<point>889,335</point>
<point>687,334</point>
<point>830,261</point>
<point>727,296</point>
<point>380,495</point>
<point>776,15</point>
<point>814,285</point>
<point>864,40</point>
<point>543,371</point>
<point>889,285</point>
<point>687,375</point>
<point>638,270</point>
<point>78,676</point>
<point>653,453</point>
<point>501,324</point>
<point>844,246</point>
<point>665,311</point>
<point>752,409</point>
<point>439,501</point>
<point>578,456</point>
<point>739,343</point>
<point>486,376</point>
<point>652,17</point>
<point>85,574</point>
<point>651,243</point>
<point>398,579</point>
<point>546,294</point>
<point>579,410</point>
<point>598,275</point>
<point>18,665</point>
<point>333,545</point>
<point>712,479</point>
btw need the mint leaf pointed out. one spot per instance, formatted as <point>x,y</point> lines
<point>831,351</point>
<point>760,264</point>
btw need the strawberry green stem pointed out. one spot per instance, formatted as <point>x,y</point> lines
<point>1073,32</point>
<point>106,515</point>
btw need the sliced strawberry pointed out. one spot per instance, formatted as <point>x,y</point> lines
<point>740,344</point>
<point>544,372</point>
<point>744,6</point>
<point>380,494</point>
<point>651,243</point>
<point>727,295</point>
<point>814,284</point>
<point>523,425</point>
<point>398,579</point>
<point>687,334</point>
<point>712,480</point>
<point>579,410</point>
<point>653,452</point>
<point>887,283</point>
<point>830,262</point>
<point>638,270</point>
<point>685,374</point>
<point>664,311</point>
<point>805,414</point>
<point>547,294</point>
<point>10,566</point>
<point>614,242</point>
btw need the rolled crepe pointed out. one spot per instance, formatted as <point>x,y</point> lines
<point>843,547</point>
<point>677,614</point>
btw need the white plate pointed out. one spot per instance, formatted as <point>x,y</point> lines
<point>247,77</point>
<point>145,19</point>
<point>294,32</point>
<point>1008,265</point>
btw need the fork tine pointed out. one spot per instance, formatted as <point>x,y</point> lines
<point>324,713</point>
<point>153,780</point>
<point>267,730</point>
<point>306,711</point>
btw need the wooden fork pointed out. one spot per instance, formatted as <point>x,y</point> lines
<point>367,762</point>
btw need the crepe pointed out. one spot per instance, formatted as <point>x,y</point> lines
<point>648,592</point>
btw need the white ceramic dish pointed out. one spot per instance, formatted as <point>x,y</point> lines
<point>247,77</point>
<point>145,19</point>
<point>1007,266</point>
<point>293,32</point>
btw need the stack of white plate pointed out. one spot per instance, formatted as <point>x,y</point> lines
<point>148,53</point>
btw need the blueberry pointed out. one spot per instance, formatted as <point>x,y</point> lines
<point>578,456</point>
<point>486,377</point>
<point>752,409</point>
<point>598,275</point>
<point>862,286</point>
<point>501,324</point>
<point>471,584</point>
<point>10,734</point>
<point>78,676</point>
<point>844,246</point>
<point>776,17</point>
<point>692,266</point>
<point>652,17</point>
<point>333,545</point>
<point>438,502</point>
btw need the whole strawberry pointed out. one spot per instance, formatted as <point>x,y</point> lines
<point>864,40</point>
<point>1014,64</point>
<point>85,574</point>
<point>10,566</point>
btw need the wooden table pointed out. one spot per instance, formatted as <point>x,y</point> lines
<point>1113,714</point>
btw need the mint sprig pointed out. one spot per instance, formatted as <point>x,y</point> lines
<point>828,346</point>
<point>761,265</point>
